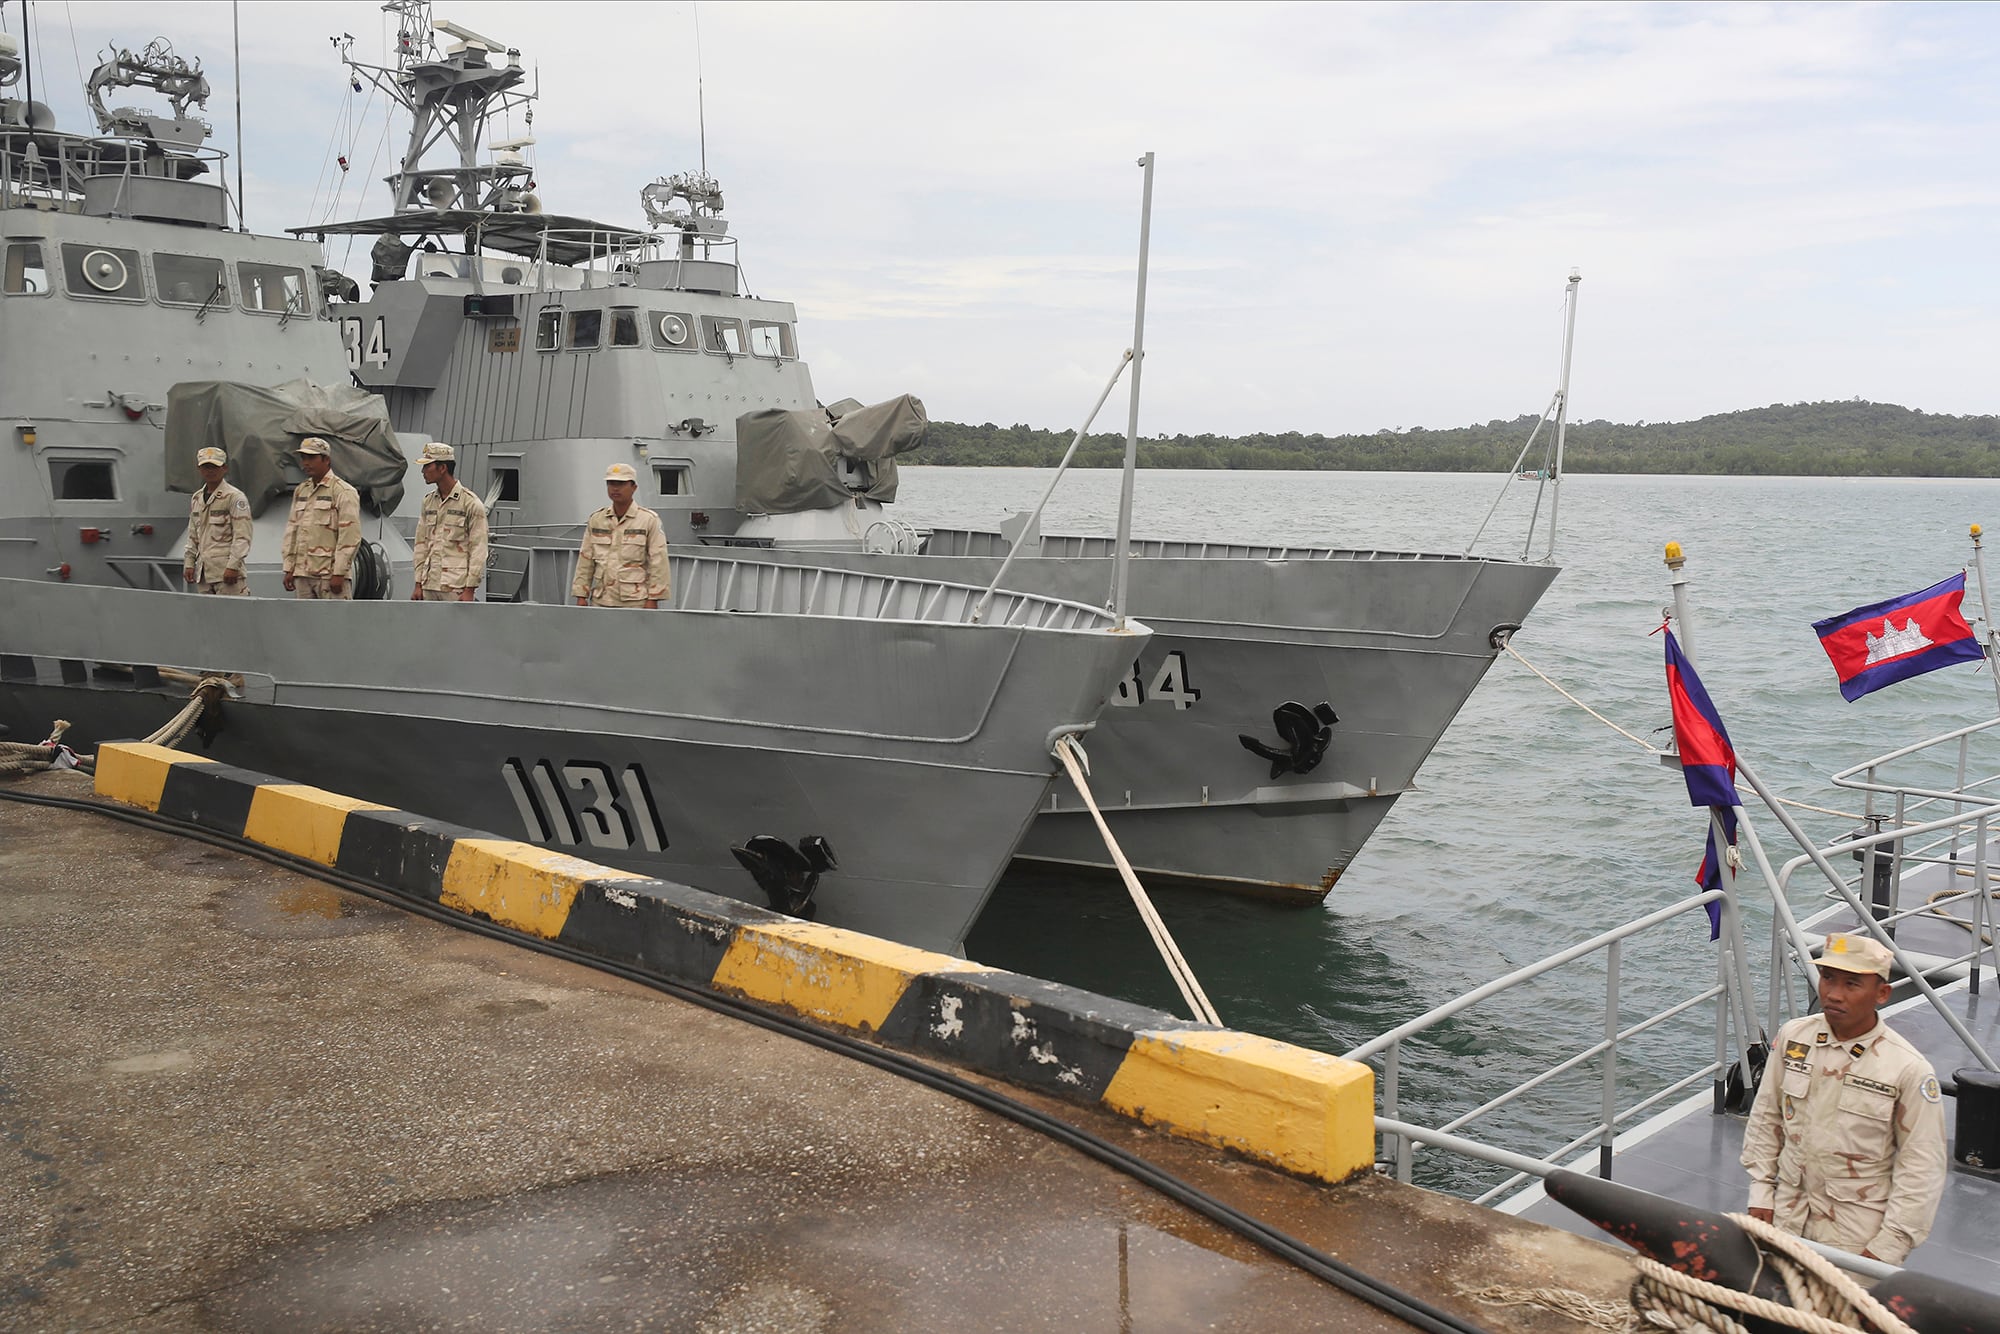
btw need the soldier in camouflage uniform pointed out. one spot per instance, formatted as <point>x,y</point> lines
<point>623,560</point>
<point>449,558</point>
<point>218,540</point>
<point>324,530</point>
<point>1845,1143</point>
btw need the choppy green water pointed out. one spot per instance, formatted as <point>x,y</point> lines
<point>1535,825</point>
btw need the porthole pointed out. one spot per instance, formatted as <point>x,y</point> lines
<point>673,331</point>
<point>104,271</point>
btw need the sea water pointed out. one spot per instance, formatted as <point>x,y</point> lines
<point>1534,826</point>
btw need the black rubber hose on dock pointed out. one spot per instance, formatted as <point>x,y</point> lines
<point>1376,1292</point>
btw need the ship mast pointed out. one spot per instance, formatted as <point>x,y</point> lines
<point>450,94</point>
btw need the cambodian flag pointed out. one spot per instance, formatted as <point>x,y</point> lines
<point>1886,642</point>
<point>1710,875</point>
<point>1708,762</point>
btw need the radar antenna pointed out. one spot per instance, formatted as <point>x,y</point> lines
<point>699,218</point>
<point>178,80</point>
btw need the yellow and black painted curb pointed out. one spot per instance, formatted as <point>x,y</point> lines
<point>1302,1111</point>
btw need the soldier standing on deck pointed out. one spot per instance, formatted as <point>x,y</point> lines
<point>1845,1143</point>
<point>449,557</point>
<point>623,560</point>
<point>218,540</point>
<point>324,530</point>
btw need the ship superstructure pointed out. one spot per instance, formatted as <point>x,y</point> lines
<point>124,270</point>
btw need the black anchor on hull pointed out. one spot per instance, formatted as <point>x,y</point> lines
<point>1305,734</point>
<point>788,875</point>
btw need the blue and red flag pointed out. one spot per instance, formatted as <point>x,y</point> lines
<point>1710,875</point>
<point>1886,642</point>
<point>1708,762</point>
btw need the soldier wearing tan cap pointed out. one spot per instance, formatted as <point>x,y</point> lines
<point>449,557</point>
<point>218,540</point>
<point>623,560</point>
<point>324,530</point>
<point>1845,1143</point>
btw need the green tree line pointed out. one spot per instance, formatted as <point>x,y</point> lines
<point>1850,438</point>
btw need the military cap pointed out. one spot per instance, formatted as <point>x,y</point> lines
<point>210,455</point>
<point>312,444</point>
<point>620,472</point>
<point>1855,954</point>
<point>437,452</point>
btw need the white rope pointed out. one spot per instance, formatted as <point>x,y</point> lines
<point>1613,1317</point>
<point>1824,1300</point>
<point>1073,759</point>
<point>19,759</point>
<point>1640,742</point>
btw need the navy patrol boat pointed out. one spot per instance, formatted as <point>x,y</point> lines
<point>1287,699</point>
<point>846,743</point>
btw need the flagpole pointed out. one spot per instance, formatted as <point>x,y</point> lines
<point>1986,611</point>
<point>1121,554</point>
<point>1729,938</point>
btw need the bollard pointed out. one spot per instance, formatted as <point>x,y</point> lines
<point>1976,1143</point>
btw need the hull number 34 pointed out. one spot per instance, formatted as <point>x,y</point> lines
<point>1169,685</point>
<point>583,802</point>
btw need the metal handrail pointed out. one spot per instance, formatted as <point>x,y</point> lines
<point>1430,1019</point>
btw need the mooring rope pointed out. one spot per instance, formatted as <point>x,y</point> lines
<point>206,690</point>
<point>18,759</point>
<point>1823,1299</point>
<point>1073,759</point>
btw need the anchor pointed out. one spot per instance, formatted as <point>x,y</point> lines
<point>1304,732</point>
<point>788,875</point>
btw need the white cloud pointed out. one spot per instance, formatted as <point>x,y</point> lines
<point>1364,213</point>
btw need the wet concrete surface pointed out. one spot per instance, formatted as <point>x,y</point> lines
<point>232,1097</point>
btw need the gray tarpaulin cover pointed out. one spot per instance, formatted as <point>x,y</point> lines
<point>789,461</point>
<point>258,428</point>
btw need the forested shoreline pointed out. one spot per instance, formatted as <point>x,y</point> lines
<point>1850,438</point>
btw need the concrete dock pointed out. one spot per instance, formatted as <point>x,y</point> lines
<point>235,1097</point>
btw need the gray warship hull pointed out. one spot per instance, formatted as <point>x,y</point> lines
<point>1394,642</point>
<point>918,748</point>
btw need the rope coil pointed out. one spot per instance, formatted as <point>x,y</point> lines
<point>1824,1300</point>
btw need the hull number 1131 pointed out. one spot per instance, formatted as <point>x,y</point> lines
<point>585,804</point>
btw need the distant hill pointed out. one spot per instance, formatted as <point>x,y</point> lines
<point>1840,439</point>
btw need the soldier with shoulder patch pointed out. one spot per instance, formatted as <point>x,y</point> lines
<point>448,558</point>
<point>1845,1143</point>
<point>324,530</point>
<point>623,560</point>
<point>218,540</point>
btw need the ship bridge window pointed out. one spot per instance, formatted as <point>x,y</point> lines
<point>189,280</point>
<point>722,333</point>
<point>672,332</point>
<point>274,288</point>
<point>586,329</point>
<point>548,328</point>
<point>103,271</point>
<point>673,478</point>
<point>82,479</point>
<point>24,272</point>
<point>624,326</point>
<point>772,340</point>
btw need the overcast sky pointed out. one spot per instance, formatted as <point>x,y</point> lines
<point>1363,215</point>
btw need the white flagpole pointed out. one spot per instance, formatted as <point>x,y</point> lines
<point>1562,411</point>
<point>1120,554</point>
<point>1986,611</point>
